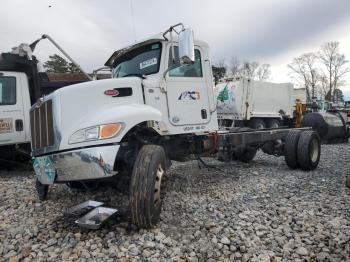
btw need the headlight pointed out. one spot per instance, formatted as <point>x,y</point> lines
<point>95,133</point>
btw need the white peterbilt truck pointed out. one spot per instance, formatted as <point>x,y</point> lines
<point>159,106</point>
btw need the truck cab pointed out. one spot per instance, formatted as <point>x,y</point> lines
<point>151,96</point>
<point>14,105</point>
<point>183,94</point>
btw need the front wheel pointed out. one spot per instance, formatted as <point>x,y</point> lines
<point>145,186</point>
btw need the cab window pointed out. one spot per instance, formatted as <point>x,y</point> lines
<point>194,70</point>
<point>7,91</point>
<point>144,60</point>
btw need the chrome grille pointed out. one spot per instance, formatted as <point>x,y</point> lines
<point>41,122</point>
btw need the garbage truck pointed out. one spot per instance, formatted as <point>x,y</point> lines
<point>255,104</point>
<point>158,107</point>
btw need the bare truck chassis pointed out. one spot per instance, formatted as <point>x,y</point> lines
<point>300,147</point>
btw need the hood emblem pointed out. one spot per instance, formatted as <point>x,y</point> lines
<point>111,92</point>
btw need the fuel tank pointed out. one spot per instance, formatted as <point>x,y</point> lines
<point>331,127</point>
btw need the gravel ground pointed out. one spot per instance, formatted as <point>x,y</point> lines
<point>261,211</point>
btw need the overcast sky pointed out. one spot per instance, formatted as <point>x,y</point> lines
<point>268,31</point>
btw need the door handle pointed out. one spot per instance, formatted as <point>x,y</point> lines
<point>204,114</point>
<point>19,125</point>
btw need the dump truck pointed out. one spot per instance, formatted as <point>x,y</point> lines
<point>21,85</point>
<point>158,107</point>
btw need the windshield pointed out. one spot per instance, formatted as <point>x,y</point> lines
<point>144,60</point>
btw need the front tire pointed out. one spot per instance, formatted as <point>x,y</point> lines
<point>145,186</point>
<point>41,190</point>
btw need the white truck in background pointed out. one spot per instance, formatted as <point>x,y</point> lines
<point>254,104</point>
<point>299,94</point>
<point>14,117</point>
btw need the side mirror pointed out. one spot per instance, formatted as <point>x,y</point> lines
<point>186,46</point>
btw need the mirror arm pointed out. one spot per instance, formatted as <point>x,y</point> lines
<point>172,28</point>
<point>172,48</point>
<point>170,68</point>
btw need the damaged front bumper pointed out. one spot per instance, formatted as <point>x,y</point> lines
<point>76,165</point>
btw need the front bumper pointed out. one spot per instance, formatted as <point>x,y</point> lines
<point>80,164</point>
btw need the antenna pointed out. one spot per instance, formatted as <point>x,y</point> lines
<point>133,19</point>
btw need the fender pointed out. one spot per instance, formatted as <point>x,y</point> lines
<point>128,114</point>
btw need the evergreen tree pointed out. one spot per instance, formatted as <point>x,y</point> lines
<point>56,64</point>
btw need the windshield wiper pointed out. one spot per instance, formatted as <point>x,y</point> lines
<point>135,74</point>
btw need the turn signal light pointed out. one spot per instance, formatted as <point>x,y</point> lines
<point>110,130</point>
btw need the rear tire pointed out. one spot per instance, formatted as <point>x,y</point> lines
<point>257,123</point>
<point>309,150</point>
<point>145,186</point>
<point>291,148</point>
<point>273,123</point>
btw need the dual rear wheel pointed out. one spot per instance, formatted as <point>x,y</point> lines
<point>260,123</point>
<point>302,150</point>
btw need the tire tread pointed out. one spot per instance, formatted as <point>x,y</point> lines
<point>291,148</point>
<point>304,159</point>
<point>142,185</point>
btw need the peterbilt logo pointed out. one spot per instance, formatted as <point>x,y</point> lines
<point>111,92</point>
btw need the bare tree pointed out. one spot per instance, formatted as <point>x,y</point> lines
<point>323,86</point>
<point>334,64</point>
<point>305,70</point>
<point>235,67</point>
<point>263,72</point>
<point>219,70</point>
<point>340,70</point>
<point>221,63</point>
<point>251,70</point>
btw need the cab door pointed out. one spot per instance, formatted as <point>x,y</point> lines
<point>187,92</point>
<point>11,109</point>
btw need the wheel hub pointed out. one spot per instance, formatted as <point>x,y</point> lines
<point>157,184</point>
<point>314,150</point>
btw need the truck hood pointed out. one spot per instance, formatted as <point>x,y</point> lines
<point>91,103</point>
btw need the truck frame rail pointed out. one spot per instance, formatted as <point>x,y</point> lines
<point>251,137</point>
